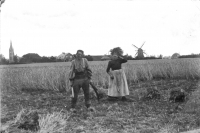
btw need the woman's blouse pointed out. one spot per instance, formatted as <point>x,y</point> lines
<point>115,64</point>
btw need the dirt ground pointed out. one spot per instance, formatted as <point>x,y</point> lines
<point>141,115</point>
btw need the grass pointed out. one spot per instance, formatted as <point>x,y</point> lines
<point>140,116</point>
<point>54,122</point>
<point>54,76</point>
<point>44,87</point>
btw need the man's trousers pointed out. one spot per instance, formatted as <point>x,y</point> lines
<point>84,84</point>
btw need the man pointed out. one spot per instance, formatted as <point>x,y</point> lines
<point>80,77</point>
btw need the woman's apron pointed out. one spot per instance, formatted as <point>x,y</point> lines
<point>118,86</point>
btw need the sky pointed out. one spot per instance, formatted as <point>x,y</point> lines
<point>50,27</point>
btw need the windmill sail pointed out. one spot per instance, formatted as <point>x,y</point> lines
<point>135,46</point>
<point>142,45</point>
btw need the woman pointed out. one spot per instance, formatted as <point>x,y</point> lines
<point>118,87</point>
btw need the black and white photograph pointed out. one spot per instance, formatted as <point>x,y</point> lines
<point>100,66</point>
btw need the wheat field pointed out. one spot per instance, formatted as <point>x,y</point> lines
<point>54,76</point>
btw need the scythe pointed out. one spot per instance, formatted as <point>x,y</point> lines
<point>95,90</point>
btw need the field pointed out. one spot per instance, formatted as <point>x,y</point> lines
<point>45,88</point>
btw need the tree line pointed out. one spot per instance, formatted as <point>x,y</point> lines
<point>35,58</point>
<point>29,58</point>
<point>190,56</point>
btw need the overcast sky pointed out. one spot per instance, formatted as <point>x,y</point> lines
<point>50,27</point>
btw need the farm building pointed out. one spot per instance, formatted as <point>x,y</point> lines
<point>65,56</point>
<point>106,57</point>
<point>96,57</point>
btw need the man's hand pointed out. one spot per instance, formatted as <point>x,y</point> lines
<point>120,57</point>
<point>90,80</point>
<point>71,83</point>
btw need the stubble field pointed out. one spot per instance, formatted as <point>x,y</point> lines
<point>45,88</point>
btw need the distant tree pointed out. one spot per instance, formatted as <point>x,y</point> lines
<point>175,56</point>
<point>190,56</point>
<point>150,57</point>
<point>128,57</point>
<point>3,60</point>
<point>45,59</point>
<point>30,58</point>
<point>53,59</point>
<point>160,56</point>
<point>59,60</point>
<point>16,59</point>
<point>117,50</point>
<point>89,58</point>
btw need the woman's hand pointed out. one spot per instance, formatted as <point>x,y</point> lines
<point>112,77</point>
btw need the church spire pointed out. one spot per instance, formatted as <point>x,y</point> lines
<point>11,53</point>
<point>11,45</point>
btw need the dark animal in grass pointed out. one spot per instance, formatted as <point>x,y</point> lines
<point>30,122</point>
<point>177,95</point>
<point>153,93</point>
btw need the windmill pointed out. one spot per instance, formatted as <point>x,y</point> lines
<point>140,52</point>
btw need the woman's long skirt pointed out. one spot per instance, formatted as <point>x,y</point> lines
<point>118,86</point>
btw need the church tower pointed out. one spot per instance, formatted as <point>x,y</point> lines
<point>11,54</point>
